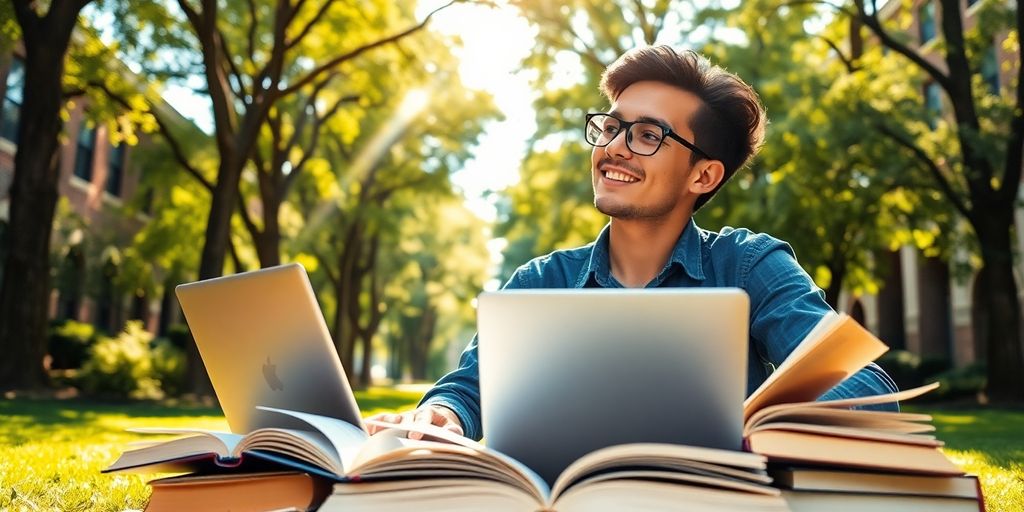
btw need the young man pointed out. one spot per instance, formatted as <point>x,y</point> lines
<point>678,129</point>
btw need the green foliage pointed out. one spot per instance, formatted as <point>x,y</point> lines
<point>966,382</point>
<point>910,370</point>
<point>168,366</point>
<point>132,366</point>
<point>70,343</point>
<point>10,32</point>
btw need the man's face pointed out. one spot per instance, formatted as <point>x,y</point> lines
<point>656,187</point>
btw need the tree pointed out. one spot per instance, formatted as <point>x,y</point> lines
<point>25,290</point>
<point>441,266</point>
<point>252,56</point>
<point>402,156</point>
<point>826,180</point>
<point>979,174</point>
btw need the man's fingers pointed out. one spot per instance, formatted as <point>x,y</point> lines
<point>428,415</point>
<point>454,428</point>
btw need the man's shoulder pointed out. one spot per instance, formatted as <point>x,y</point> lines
<point>557,269</point>
<point>738,240</point>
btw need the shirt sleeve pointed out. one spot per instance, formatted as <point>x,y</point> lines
<point>785,305</point>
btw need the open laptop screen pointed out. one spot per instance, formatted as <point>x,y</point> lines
<point>566,372</point>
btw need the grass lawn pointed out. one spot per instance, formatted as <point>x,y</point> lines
<point>51,451</point>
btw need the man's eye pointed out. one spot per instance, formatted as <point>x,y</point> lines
<point>650,136</point>
<point>611,129</point>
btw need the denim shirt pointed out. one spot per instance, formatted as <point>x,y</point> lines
<point>784,305</point>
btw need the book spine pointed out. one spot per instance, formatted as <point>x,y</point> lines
<point>981,495</point>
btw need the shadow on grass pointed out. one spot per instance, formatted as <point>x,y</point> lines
<point>34,419</point>
<point>994,435</point>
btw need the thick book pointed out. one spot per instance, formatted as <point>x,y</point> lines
<point>875,482</point>
<point>784,421</point>
<point>243,492</point>
<point>819,501</point>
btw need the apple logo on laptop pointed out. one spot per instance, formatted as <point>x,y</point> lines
<point>270,374</point>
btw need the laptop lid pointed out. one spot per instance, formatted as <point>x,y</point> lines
<point>566,372</point>
<point>263,340</point>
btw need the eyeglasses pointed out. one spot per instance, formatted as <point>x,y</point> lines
<point>642,137</point>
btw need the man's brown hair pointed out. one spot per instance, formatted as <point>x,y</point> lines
<point>728,125</point>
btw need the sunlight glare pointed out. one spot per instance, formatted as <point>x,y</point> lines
<point>495,40</point>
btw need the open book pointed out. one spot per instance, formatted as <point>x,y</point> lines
<point>472,475</point>
<point>783,421</point>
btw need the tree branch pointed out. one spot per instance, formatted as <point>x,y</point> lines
<point>253,22</point>
<point>934,169</point>
<point>331,64</point>
<point>232,69</point>
<point>246,218</point>
<point>872,22</point>
<point>314,141</point>
<point>309,26</point>
<point>165,131</point>
<point>848,62</point>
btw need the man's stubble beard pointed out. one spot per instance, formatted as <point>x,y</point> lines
<point>631,212</point>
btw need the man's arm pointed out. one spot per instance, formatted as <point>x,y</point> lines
<point>459,391</point>
<point>786,305</point>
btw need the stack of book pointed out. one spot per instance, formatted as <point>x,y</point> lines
<point>801,455</point>
<point>833,456</point>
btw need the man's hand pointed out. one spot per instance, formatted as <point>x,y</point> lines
<point>426,415</point>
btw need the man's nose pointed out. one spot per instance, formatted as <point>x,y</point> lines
<point>618,146</point>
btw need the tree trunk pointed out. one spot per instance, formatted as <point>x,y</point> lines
<point>25,291</point>
<point>1000,309</point>
<point>935,322</point>
<point>268,241</point>
<point>837,267</point>
<point>365,375</point>
<point>891,328</point>
<point>211,263</point>
<point>420,356</point>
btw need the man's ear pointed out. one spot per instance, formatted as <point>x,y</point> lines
<point>706,176</point>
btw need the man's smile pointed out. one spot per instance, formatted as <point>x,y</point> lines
<point>619,176</point>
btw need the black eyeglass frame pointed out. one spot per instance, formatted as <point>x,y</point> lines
<point>624,126</point>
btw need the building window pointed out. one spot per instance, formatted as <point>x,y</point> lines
<point>85,153</point>
<point>115,169</point>
<point>933,103</point>
<point>990,70</point>
<point>10,111</point>
<point>926,21</point>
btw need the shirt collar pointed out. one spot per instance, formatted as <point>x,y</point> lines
<point>688,253</point>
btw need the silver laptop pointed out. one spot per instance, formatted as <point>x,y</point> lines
<point>264,341</point>
<point>565,372</point>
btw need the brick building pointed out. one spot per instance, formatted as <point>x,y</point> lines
<point>97,178</point>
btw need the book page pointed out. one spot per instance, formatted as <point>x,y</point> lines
<point>309,446</point>
<point>172,450</point>
<point>682,478</point>
<point>628,453</point>
<point>854,433</point>
<point>226,440</point>
<point>766,414</point>
<point>848,418</point>
<point>813,369</point>
<point>520,471</point>
<point>343,436</point>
